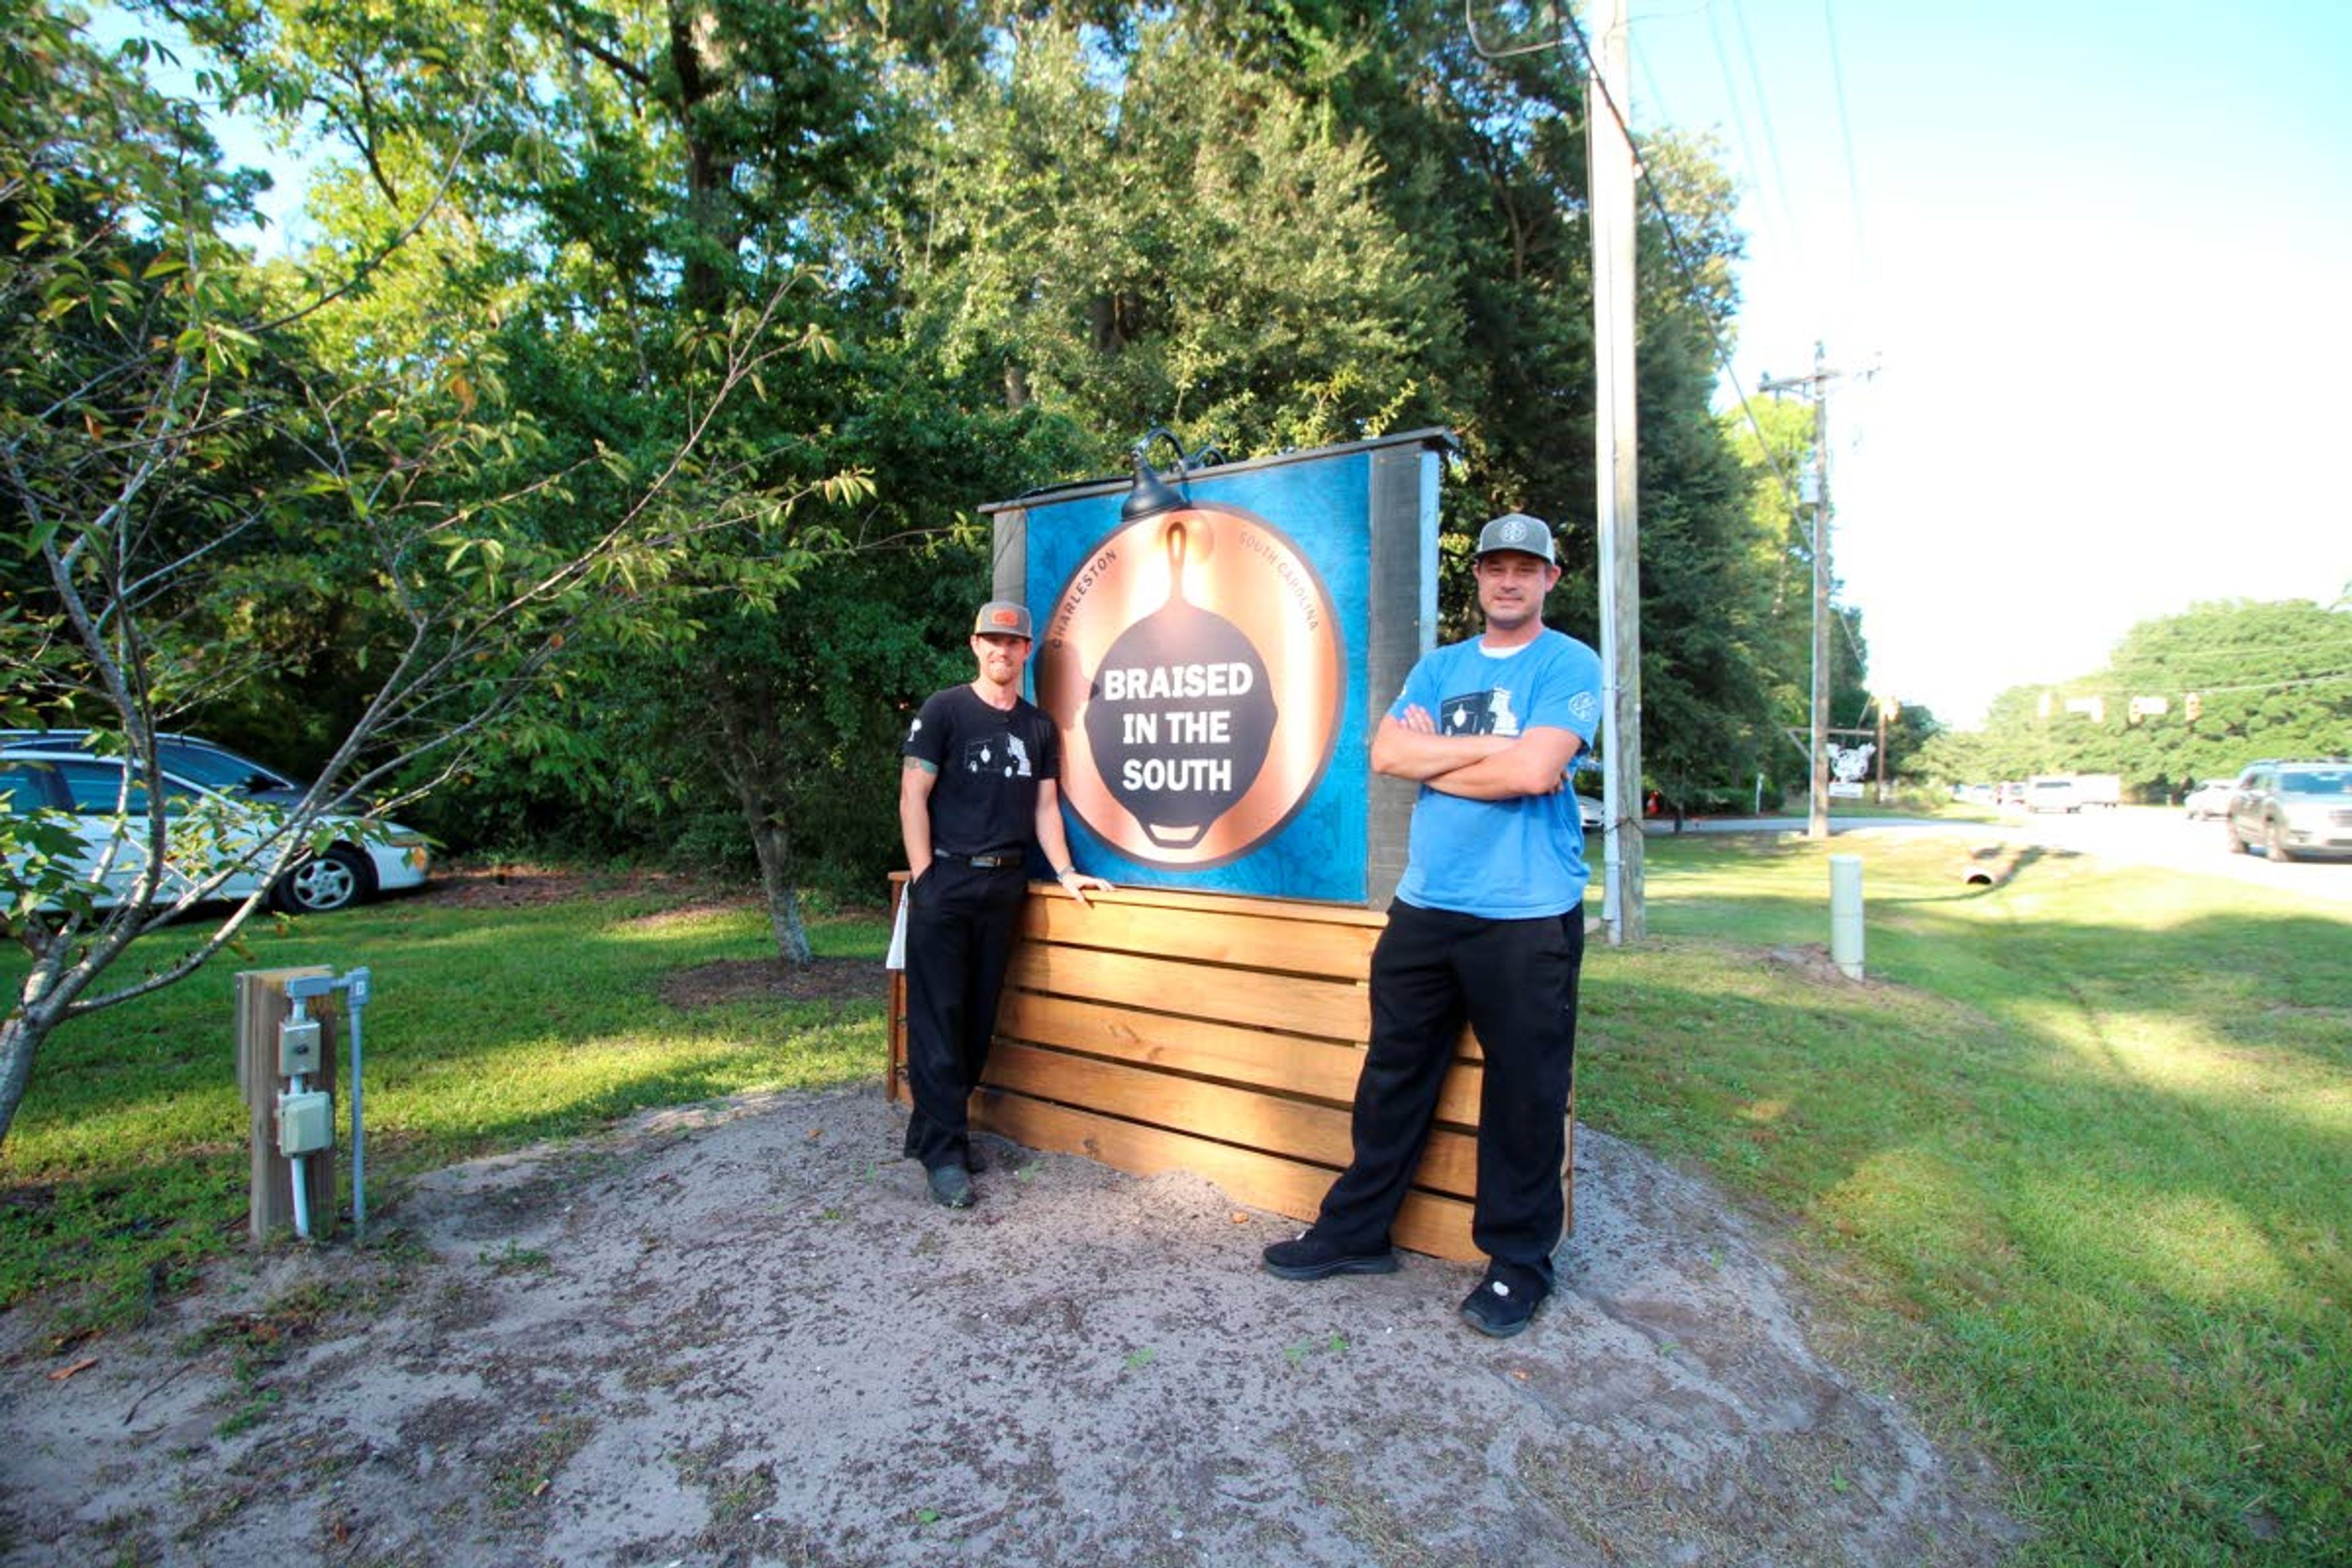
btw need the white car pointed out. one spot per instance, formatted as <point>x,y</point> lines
<point>2209,799</point>
<point>57,772</point>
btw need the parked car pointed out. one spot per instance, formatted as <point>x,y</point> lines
<point>215,767</point>
<point>2209,799</point>
<point>2009,792</point>
<point>216,801</point>
<point>2293,810</point>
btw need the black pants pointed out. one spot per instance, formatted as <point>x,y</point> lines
<point>1514,983</point>
<point>959,928</point>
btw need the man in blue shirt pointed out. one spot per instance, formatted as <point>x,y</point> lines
<point>1488,927</point>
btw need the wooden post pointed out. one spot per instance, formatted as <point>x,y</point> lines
<point>1610,162</point>
<point>894,1083</point>
<point>261,1006</point>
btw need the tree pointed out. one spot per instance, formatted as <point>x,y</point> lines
<point>2268,679</point>
<point>1035,231</point>
<point>178,468</point>
<point>1174,240</point>
<point>1321,222</point>
<point>1774,439</point>
<point>685,164</point>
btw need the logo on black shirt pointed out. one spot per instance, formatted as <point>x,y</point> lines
<point>1002,755</point>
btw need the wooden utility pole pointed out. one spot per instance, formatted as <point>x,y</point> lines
<point>1609,153</point>
<point>1816,386</point>
<point>1880,755</point>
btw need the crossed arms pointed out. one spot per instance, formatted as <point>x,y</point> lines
<point>1475,767</point>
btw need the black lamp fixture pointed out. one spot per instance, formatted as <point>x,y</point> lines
<point>1153,495</point>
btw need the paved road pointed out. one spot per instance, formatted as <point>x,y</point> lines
<point>2148,836</point>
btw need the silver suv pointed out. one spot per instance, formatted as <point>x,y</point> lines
<point>2294,810</point>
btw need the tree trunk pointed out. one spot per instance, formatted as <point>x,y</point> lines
<point>20,1040</point>
<point>784,898</point>
<point>743,764</point>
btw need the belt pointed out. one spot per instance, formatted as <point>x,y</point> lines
<point>984,862</point>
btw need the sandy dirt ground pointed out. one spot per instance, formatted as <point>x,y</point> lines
<point>740,1334</point>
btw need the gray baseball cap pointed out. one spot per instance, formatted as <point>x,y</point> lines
<point>1001,618</point>
<point>1518,530</point>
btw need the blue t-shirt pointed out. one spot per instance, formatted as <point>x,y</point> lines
<point>1501,859</point>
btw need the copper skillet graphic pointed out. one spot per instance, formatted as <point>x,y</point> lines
<point>1179,713</point>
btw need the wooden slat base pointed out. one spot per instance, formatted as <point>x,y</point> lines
<point>1159,1031</point>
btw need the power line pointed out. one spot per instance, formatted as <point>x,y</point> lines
<point>2203,689</point>
<point>1764,118</point>
<point>1674,246</point>
<point>1845,137</point>
<point>1564,20</point>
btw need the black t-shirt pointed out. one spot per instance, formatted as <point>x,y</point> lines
<point>990,761</point>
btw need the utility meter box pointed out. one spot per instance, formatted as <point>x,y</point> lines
<point>306,1123</point>
<point>297,1046</point>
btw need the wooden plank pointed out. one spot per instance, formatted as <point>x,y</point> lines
<point>1323,1069</point>
<point>1224,903</point>
<point>893,1085</point>
<point>1568,1169</point>
<point>1296,1128</point>
<point>1427,1223</point>
<point>1295,946</point>
<point>1330,1008</point>
<point>894,1080</point>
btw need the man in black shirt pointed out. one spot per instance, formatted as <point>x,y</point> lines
<point>979,780</point>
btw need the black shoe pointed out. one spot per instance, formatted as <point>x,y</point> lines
<point>951,1187</point>
<point>1312,1258</point>
<point>1499,1309</point>
<point>975,1160</point>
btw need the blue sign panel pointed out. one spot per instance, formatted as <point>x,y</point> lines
<point>1210,665</point>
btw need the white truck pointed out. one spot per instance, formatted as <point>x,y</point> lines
<point>2072,792</point>
<point>2103,790</point>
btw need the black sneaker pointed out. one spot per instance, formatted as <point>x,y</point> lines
<point>951,1187</point>
<point>1499,1309</point>
<point>975,1158</point>
<point>1312,1258</point>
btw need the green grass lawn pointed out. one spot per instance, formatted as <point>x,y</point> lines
<point>2081,1150</point>
<point>487,1029</point>
<point>2077,1158</point>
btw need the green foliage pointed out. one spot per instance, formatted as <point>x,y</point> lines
<point>2268,679</point>
<point>1096,241</point>
<point>788,718</point>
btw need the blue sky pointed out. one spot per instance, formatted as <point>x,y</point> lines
<point>2098,253</point>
